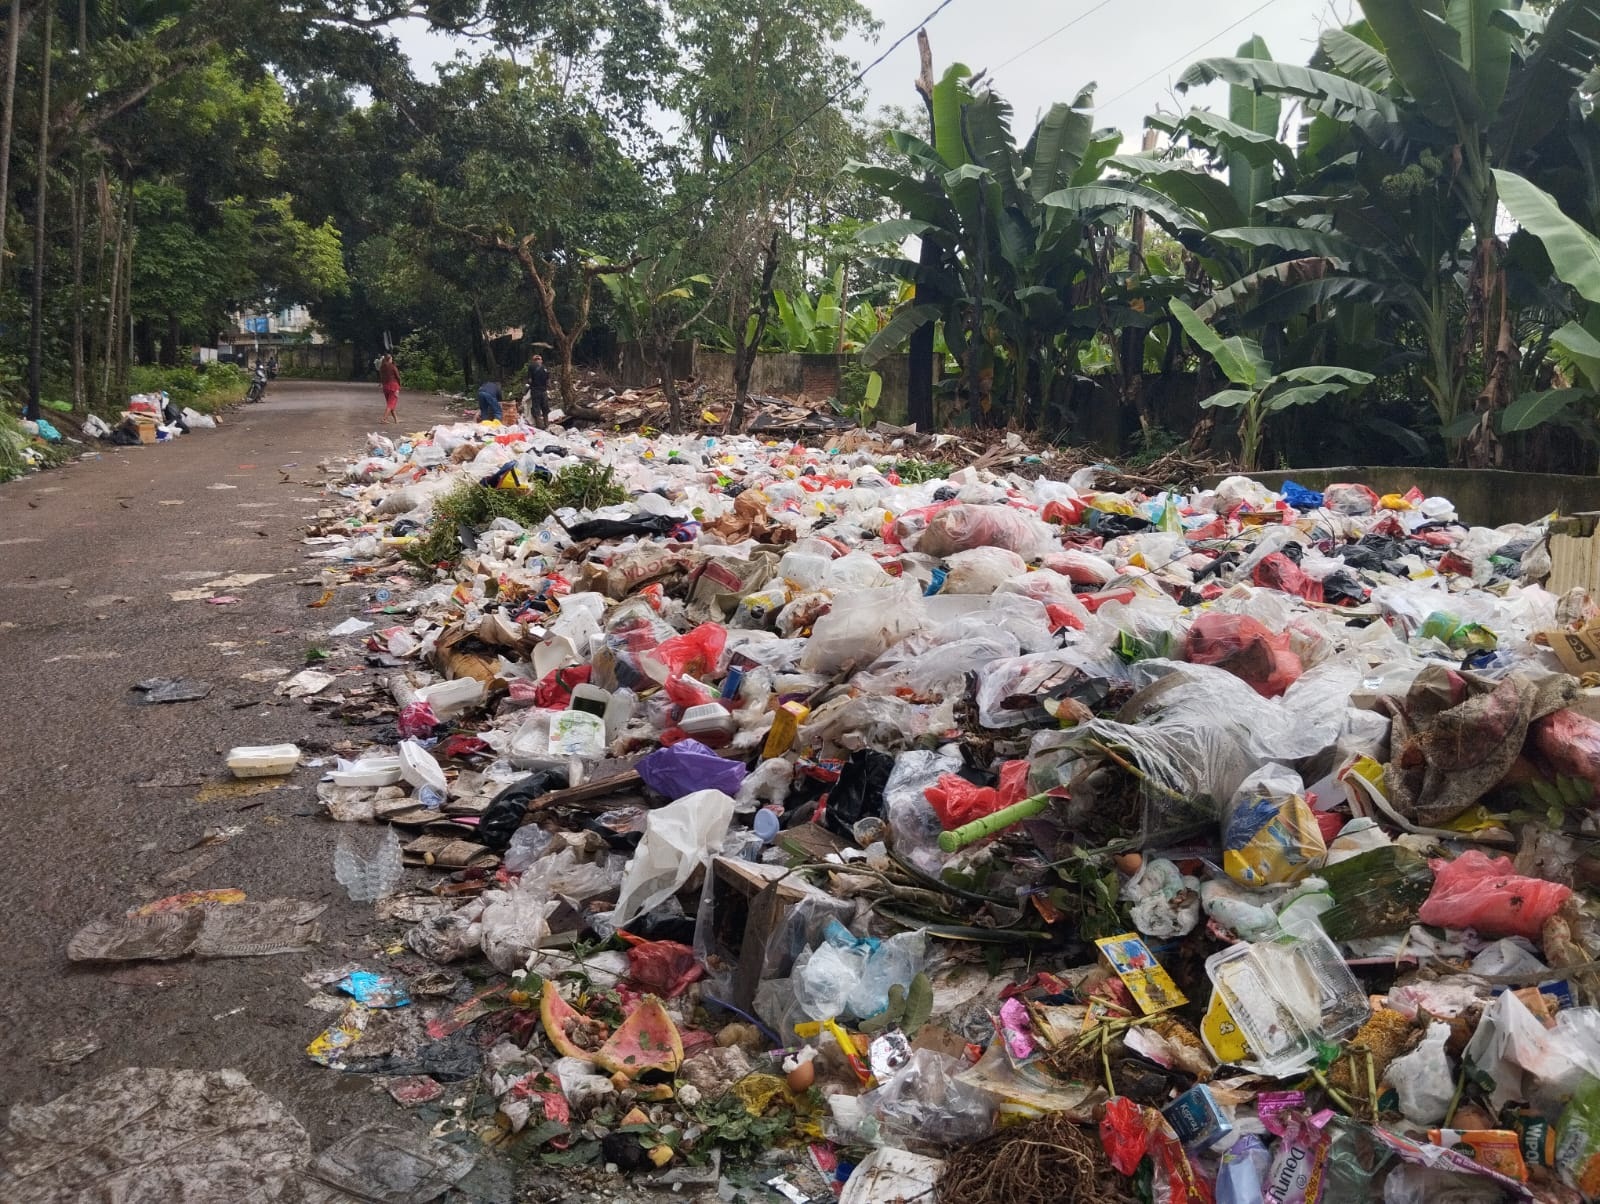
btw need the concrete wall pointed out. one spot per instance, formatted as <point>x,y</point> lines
<point>1483,497</point>
<point>321,358</point>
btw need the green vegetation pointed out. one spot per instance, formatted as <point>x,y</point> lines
<point>1340,216</point>
<point>206,390</point>
<point>471,505</point>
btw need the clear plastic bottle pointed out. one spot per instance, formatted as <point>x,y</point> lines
<point>368,878</point>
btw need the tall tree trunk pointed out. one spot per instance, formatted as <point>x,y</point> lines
<point>7,117</point>
<point>1130,345</point>
<point>114,298</point>
<point>125,326</point>
<point>1488,283</point>
<point>79,216</point>
<point>669,386</point>
<point>169,345</point>
<point>41,204</point>
<point>919,373</point>
<point>749,341</point>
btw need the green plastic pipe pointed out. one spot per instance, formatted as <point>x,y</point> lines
<point>978,829</point>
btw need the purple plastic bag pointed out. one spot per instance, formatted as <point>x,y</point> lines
<point>689,766</point>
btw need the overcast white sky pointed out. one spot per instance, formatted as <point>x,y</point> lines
<point>1133,49</point>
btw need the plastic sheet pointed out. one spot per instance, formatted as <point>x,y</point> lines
<point>960,528</point>
<point>689,766</point>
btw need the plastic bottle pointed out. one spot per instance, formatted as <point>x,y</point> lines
<point>368,878</point>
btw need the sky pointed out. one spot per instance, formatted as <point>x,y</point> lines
<point>1133,49</point>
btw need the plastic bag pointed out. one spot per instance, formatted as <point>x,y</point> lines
<point>860,626</point>
<point>693,654</point>
<point>1423,1078</point>
<point>1571,743</point>
<point>664,968</point>
<point>1578,1140</point>
<point>1242,1173</point>
<point>689,766</point>
<point>962,527</point>
<point>1270,835</point>
<point>1349,499</point>
<point>926,1102</point>
<point>1244,647</point>
<point>515,922</point>
<point>1527,1061</point>
<point>1487,895</point>
<point>914,826</point>
<point>957,801</point>
<point>1129,1133</point>
<point>982,570</point>
<point>825,979</point>
<point>1280,573</point>
<point>677,838</point>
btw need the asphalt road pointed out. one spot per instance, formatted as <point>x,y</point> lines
<point>107,801</point>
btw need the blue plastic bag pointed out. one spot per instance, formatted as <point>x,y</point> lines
<point>47,431</point>
<point>689,766</point>
<point>1300,497</point>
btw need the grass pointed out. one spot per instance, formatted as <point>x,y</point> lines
<point>219,386</point>
<point>578,487</point>
<point>915,472</point>
<point>12,440</point>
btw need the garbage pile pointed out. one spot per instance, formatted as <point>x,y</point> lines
<point>893,827</point>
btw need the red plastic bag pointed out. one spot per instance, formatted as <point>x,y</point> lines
<point>1123,1134</point>
<point>957,801</point>
<point>1061,618</point>
<point>1080,567</point>
<point>1280,573</point>
<point>686,692</point>
<point>1244,647</point>
<point>554,691</point>
<point>964,526</point>
<point>694,653</point>
<point>664,968</point>
<point>1068,514</point>
<point>1487,895</point>
<point>417,721</point>
<point>1571,743</point>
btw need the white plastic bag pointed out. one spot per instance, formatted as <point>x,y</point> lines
<point>983,570</point>
<point>860,625</point>
<point>1423,1079</point>
<point>677,838</point>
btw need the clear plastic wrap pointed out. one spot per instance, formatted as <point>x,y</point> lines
<point>961,527</point>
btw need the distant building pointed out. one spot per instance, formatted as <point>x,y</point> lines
<point>293,324</point>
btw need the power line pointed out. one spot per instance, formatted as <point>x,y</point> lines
<point>1189,53</point>
<point>1050,37</point>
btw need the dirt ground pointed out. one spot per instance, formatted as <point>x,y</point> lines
<point>105,799</point>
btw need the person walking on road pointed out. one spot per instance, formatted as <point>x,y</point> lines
<point>389,378</point>
<point>489,401</point>
<point>539,390</point>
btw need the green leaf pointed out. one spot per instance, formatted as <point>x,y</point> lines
<point>1057,148</point>
<point>924,156</point>
<point>1577,342</point>
<point>1234,141</point>
<point>1254,114</point>
<point>1299,395</point>
<point>1485,48</point>
<point>1460,426</point>
<point>1239,359</point>
<point>1322,374</point>
<point>1548,78</point>
<point>1200,192</point>
<point>894,232</point>
<point>1573,251</point>
<point>1355,59</point>
<point>1533,409</point>
<point>1425,52</point>
<point>1406,438</point>
<point>1318,87</point>
<point>1294,239</point>
<point>1112,194</point>
<point>1228,399</point>
<point>896,331</point>
<point>949,94</point>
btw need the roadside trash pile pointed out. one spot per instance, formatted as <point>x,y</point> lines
<point>149,418</point>
<point>884,829</point>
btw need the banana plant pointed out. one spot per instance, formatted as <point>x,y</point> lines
<point>1014,282</point>
<point>1411,110</point>
<point>807,326</point>
<point>1261,392</point>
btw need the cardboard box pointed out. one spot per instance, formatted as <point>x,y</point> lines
<point>1578,651</point>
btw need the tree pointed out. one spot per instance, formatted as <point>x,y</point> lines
<point>1261,392</point>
